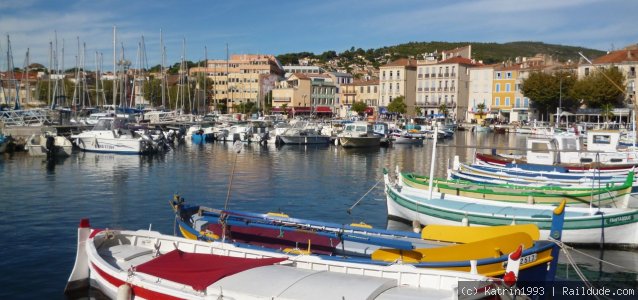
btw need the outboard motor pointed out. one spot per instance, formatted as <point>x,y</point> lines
<point>50,146</point>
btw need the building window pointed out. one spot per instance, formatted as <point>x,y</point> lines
<point>509,75</point>
<point>586,71</point>
<point>498,75</point>
<point>361,89</point>
<point>398,87</point>
<point>497,101</point>
<point>507,101</point>
<point>526,102</point>
<point>390,74</point>
<point>398,74</point>
<point>507,87</point>
<point>518,102</point>
<point>452,99</point>
<point>375,89</point>
<point>498,87</point>
<point>445,98</point>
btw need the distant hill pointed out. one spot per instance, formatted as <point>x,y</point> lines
<point>487,52</point>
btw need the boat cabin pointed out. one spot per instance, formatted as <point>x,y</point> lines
<point>549,151</point>
<point>601,147</point>
<point>603,140</point>
<point>358,129</point>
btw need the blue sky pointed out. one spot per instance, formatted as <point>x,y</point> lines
<point>276,27</point>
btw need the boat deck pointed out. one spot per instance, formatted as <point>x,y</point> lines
<point>285,282</point>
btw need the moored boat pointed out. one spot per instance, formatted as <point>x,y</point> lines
<point>612,227</point>
<point>610,195</point>
<point>358,134</point>
<point>145,264</point>
<point>49,145</point>
<point>436,247</point>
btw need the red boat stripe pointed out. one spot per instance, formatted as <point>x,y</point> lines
<point>137,291</point>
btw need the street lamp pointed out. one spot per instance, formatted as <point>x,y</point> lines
<point>560,98</point>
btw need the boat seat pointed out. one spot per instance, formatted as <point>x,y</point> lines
<point>124,253</point>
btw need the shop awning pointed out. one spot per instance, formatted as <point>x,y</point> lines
<point>323,109</point>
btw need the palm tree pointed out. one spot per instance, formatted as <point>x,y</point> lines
<point>607,111</point>
<point>443,109</point>
<point>481,108</point>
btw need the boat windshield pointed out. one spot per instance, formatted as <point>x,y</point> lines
<point>103,124</point>
<point>110,123</point>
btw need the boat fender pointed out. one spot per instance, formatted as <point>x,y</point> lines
<point>124,292</point>
<point>465,221</point>
<point>473,268</point>
<point>416,226</point>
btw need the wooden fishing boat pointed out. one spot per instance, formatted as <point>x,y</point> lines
<point>514,174</point>
<point>614,195</point>
<point>437,247</point>
<point>498,160</point>
<point>145,264</point>
<point>612,227</point>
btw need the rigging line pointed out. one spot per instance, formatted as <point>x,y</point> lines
<point>360,199</point>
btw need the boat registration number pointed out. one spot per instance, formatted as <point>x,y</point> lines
<point>525,259</point>
<point>529,258</point>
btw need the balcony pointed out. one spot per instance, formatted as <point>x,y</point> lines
<point>445,89</point>
<point>440,74</point>
<point>452,74</point>
<point>447,74</point>
<point>452,89</point>
<point>420,89</point>
<point>427,75</point>
<point>440,89</point>
<point>420,76</point>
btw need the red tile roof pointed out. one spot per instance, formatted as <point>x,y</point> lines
<point>617,57</point>
<point>402,62</point>
<point>459,60</point>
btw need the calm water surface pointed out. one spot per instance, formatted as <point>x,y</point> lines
<point>43,204</point>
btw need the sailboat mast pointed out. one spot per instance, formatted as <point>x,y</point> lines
<point>205,80</point>
<point>27,85</point>
<point>162,74</point>
<point>114,65</point>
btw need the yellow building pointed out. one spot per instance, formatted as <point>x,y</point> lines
<point>504,90</point>
<point>242,78</point>
<point>364,91</point>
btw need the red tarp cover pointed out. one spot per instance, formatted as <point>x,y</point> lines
<point>199,270</point>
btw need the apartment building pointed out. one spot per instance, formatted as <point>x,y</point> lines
<point>360,90</point>
<point>398,78</point>
<point>309,94</point>
<point>480,92</point>
<point>506,91</point>
<point>242,78</point>
<point>625,60</point>
<point>444,82</point>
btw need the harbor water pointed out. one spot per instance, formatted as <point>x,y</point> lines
<point>43,203</point>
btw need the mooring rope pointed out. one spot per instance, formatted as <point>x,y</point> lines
<point>368,192</point>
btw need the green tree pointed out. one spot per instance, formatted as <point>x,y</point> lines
<point>359,107</point>
<point>284,109</point>
<point>397,105</point>
<point>607,111</point>
<point>443,109</point>
<point>545,91</point>
<point>418,111</point>
<point>481,109</point>
<point>603,87</point>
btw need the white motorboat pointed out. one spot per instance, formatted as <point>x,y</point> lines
<point>112,135</point>
<point>42,144</point>
<point>303,133</point>
<point>358,134</point>
<point>145,264</point>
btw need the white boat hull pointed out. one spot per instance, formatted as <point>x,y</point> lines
<point>111,268</point>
